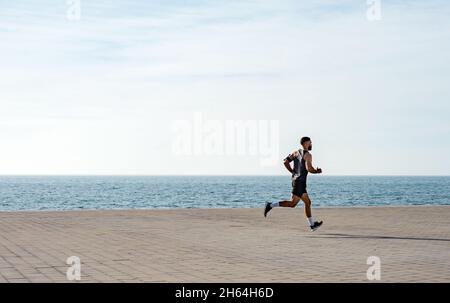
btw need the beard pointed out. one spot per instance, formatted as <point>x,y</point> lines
<point>310,147</point>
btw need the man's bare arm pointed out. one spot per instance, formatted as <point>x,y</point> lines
<point>289,159</point>
<point>287,164</point>
<point>309,166</point>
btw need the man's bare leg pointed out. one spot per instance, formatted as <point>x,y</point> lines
<point>289,203</point>
<point>307,202</point>
<point>286,203</point>
<point>312,224</point>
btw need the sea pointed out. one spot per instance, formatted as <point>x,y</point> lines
<point>38,193</point>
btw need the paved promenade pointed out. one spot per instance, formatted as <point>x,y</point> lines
<point>227,245</point>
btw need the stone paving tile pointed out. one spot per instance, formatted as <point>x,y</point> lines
<point>226,245</point>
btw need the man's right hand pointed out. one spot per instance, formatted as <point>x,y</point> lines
<point>319,170</point>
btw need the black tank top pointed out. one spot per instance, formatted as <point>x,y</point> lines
<point>300,171</point>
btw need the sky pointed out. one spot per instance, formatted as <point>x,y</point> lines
<point>156,87</point>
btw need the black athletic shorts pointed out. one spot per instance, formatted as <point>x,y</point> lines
<point>298,188</point>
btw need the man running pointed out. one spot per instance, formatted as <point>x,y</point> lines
<point>302,165</point>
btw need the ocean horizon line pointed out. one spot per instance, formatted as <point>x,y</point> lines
<point>208,175</point>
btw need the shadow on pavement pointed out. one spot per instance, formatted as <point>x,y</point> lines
<point>348,236</point>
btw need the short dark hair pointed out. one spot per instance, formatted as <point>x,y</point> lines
<point>304,139</point>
